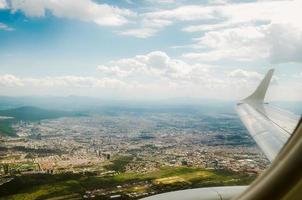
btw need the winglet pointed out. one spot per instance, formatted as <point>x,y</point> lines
<point>259,95</point>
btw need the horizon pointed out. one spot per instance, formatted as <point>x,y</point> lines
<point>172,100</point>
<point>91,104</point>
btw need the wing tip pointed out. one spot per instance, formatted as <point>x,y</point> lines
<point>259,94</point>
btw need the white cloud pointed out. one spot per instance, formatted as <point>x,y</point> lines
<point>285,43</point>
<point>85,10</point>
<point>62,86</point>
<point>157,69</point>
<point>148,28</point>
<point>152,75</point>
<point>244,54</point>
<point>268,30</point>
<point>243,43</point>
<point>9,80</point>
<point>5,27</point>
<point>157,74</point>
<point>151,22</point>
<point>240,76</point>
<point>232,38</point>
<point>183,13</point>
<point>243,74</point>
<point>215,27</point>
<point>3,4</point>
<point>265,30</point>
<point>74,82</point>
<point>139,32</point>
<point>270,12</point>
<point>113,71</point>
<point>161,1</point>
<point>154,66</point>
<point>226,15</point>
<point>276,42</point>
<point>217,2</point>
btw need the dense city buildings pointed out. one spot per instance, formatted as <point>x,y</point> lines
<point>132,144</point>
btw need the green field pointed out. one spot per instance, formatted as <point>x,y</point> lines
<point>167,179</point>
<point>6,129</point>
<point>119,163</point>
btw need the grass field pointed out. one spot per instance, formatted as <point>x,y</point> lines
<point>6,129</point>
<point>167,179</point>
<point>23,166</point>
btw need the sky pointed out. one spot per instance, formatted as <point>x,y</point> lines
<point>150,49</point>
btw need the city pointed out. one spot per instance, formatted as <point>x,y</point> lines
<point>140,154</point>
<point>150,99</point>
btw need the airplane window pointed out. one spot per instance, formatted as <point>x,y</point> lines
<point>145,99</point>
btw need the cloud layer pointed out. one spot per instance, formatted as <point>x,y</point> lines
<point>260,30</point>
<point>154,66</point>
<point>85,10</point>
<point>221,41</point>
<point>151,75</point>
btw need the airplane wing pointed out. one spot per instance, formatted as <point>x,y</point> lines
<point>269,126</point>
<point>212,193</point>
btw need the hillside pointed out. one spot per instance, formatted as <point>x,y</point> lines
<point>28,113</point>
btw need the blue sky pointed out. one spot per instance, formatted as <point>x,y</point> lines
<point>149,49</point>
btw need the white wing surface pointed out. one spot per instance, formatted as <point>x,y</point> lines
<point>213,193</point>
<point>269,126</point>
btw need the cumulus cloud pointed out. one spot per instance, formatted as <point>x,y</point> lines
<point>145,76</point>
<point>158,69</point>
<point>243,74</point>
<point>285,11</point>
<point>85,10</point>
<point>266,30</point>
<point>150,23</point>
<point>183,13</point>
<point>285,43</point>
<point>208,27</point>
<point>9,80</point>
<point>161,1</point>
<point>158,74</point>
<point>114,71</point>
<point>242,43</point>
<point>278,43</point>
<point>217,2</point>
<point>240,78</point>
<point>154,66</point>
<point>62,86</point>
<point>148,28</point>
<point>139,32</point>
<point>269,30</point>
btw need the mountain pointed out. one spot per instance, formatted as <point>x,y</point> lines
<point>29,114</point>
